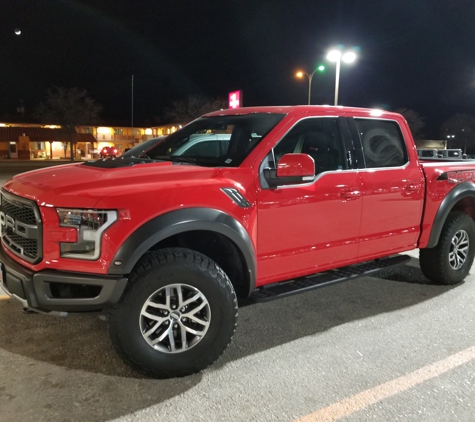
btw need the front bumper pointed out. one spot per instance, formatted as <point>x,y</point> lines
<point>58,291</point>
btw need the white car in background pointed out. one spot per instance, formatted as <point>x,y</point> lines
<point>200,145</point>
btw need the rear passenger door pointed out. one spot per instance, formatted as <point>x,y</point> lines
<point>392,189</point>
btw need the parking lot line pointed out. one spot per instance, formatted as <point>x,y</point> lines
<point>368,397</point>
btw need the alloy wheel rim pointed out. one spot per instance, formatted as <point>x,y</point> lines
<point>175,318</point>
<point>459,250</point>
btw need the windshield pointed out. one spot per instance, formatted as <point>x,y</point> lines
<point>215,141</point>
<point>140,149</point>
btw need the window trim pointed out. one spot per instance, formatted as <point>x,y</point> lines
<point>359,142</point>
<point>347,145</point>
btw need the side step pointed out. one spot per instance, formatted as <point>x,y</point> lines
<point>303,284</point>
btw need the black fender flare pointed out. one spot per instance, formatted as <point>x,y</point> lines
<point>180,221</point>
<point>464,189</point>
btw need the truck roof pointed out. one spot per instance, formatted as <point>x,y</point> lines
<point>297,109</point>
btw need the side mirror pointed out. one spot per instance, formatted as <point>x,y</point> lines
<point>296,165</point>
<point>291,169</point>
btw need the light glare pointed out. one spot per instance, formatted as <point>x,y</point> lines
<point>349,57</point>
<point>334,55</point>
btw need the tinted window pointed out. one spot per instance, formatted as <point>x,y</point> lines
<point>383,144</point>
<point>319,138</point>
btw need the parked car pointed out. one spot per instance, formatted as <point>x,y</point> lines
<point>450,153</point>
<point>455,154</point>
<point>109,152</point>
<point>197,145</point>
<point>427,153</point>
<point>204,145</point>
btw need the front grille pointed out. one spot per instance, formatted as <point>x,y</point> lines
<point>19,212</point>
<point>21,228</point>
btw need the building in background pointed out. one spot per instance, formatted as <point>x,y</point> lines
<point>29,141</point>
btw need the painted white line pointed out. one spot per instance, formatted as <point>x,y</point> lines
<point>368,397</point>
<point>3,295</point>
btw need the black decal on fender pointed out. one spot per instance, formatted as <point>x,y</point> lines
<point>459,176</point>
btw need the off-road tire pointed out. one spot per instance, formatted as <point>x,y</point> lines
<point>440,264</point>
<point>165,269</point>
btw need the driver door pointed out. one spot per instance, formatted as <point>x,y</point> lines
<point>309,227</point>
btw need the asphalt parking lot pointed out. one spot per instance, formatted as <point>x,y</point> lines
<point>391,347</point>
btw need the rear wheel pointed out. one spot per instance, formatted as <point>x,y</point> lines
<point>450,261</point>
<point>177,316</point>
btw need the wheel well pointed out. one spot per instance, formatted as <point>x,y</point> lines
<point>220,249</point>
<point>465,205</point>
<point>462,199</point>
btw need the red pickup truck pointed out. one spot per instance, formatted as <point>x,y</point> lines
<point>250,203</point>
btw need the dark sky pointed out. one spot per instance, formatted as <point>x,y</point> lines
<point>417,54</point>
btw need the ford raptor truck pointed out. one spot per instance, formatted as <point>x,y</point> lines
<point>249,203</point>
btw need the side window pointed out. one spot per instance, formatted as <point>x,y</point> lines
<point>383,144</point>
<point>318,137</point>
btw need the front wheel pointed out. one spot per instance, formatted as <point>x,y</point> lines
<point>450,261</point>
<point>176,317</point>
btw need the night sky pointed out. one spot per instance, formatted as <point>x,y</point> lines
<point>418,54</point>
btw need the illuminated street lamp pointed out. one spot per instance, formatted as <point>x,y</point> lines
<point>301,74</point>
<point>337,56</point>
<point>449,137</point>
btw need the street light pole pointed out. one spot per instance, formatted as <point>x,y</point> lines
<point>337,56</point>
<point>309,77</point>
<point>309,86</point>
<point>337,79</point>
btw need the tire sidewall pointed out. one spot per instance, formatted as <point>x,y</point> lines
<point>222,303</point>
<point>464,222</point>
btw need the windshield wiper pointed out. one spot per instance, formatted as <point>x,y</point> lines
<point>176,158</point>
<point>142,154</point>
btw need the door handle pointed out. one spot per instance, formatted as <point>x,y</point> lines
<point>350,195</point>
<point>413,187</point>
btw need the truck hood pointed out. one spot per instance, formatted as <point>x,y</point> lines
<point>82,185</point>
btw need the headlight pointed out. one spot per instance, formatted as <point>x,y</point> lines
<point>90,225</point>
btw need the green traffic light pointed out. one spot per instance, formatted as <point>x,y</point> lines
<point>321,68</point>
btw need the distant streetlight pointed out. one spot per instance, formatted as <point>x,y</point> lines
<point>337,56</point>
<point>301,74</point>
<point>449,137</point>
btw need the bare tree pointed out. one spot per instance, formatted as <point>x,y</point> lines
<point>459,130</point>
<point>414,120</point>
<point>68,108</point>
<point>193,107</point>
